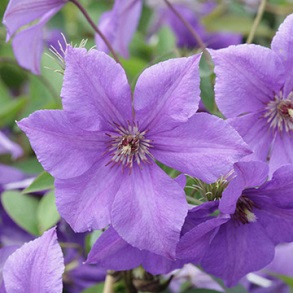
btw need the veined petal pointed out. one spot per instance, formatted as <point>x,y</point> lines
<point>254,129</point>
<point>167,94</point>
<point>112,252</point>
<point>205,147</point>
<point>63,149</point>
<point>85,201</point>
<point>282,44</point>
<point>22,12</point>
<point>119,25</point>
<point>5,252</point>
<point>149,210</point>
<point>237,250</point>
<point>35,267</point>
<point>282,151</point>
<point>95,90</point>
<point>248,174</point>
<point>248,76</point>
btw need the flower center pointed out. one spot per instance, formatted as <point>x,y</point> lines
<point>244,210</point>
<point>279,113</point>
<point>129,145</point>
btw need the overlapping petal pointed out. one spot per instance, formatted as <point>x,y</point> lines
<point>167,94</point>
<point>143,210</point>
<point>256,133</point>
<point>22,12</point>
<point>35,267</point>
<point>245,80</point>
<point>63,149</point>
<point>85,201</point>
<point>237,250</point>
<point>95,90</point>
<point>205,147</point>
<point>282,44</point>
<point>119,25</point>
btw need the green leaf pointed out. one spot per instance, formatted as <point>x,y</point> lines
<point>10,109</point>
<point>22,209</point>
<point>43,182</point>
<point>47,213</point>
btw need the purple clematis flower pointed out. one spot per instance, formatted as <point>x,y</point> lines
<point>28,43</point>
<point>8,146</point>
<point>254,217</point>
<point>101,151</point>
<point>254,89</point>
<point>35,267</point>
<point>120,23</point>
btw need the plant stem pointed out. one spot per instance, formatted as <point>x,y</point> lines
<point>109,282</point>
<point>256,21</point>
<point>96,29</point>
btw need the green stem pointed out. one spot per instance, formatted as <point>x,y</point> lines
<point>256,21</point>
<point>96,29</point>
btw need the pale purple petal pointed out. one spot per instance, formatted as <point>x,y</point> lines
<point>5,252</point>
<point>194,243</point>
<point>276,222</point>
<point>9,174</point>
<point>248,174</point>
<point>112,252</point>
<point>22,12</point>
<point>282,44</point>
<point>149,210</point>
<point>167,94</point>
<point>255,131</point>
<point>281,152</point>
<point>85,201</point>
<point>63,149</point>
<point>35,267</point>
<point>8,146</point>
<point>119,25</point>
<point>248,76</point>
<point>204,147</point>
<point>236,250</point>
<point>95,90</point>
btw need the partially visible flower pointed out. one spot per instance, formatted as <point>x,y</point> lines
<point>8,146</point>
<point>35,267</point>
<point>254,217</point>
<point>101,148</point>
<point>28,43</point>
<point>254,89</point>
<point>120,23</point>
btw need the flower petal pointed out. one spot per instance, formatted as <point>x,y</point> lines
<point>255,131</point>
<point>248,76</point>
<point>112,252</point>
<point>22,12</point>
<point>35,267</point>
<point>167,94</point>
<point>94,99</point>
<point>249,174</point>
<point>282,44</point>
<point>236,250</point>
<point>8,146</point>
<point>204,147</point>
<point>119,25</point>
<point>281,152</point>
<point>63,149</point>
<point>5,252</point>
<point>85,201</point>
<point>143,212</point>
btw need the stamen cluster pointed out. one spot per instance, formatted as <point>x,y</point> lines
<point>129,145</point>
<point>279,113</point>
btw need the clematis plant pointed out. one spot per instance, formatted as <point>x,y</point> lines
<point>102,151</point>
<point>254,89</point>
